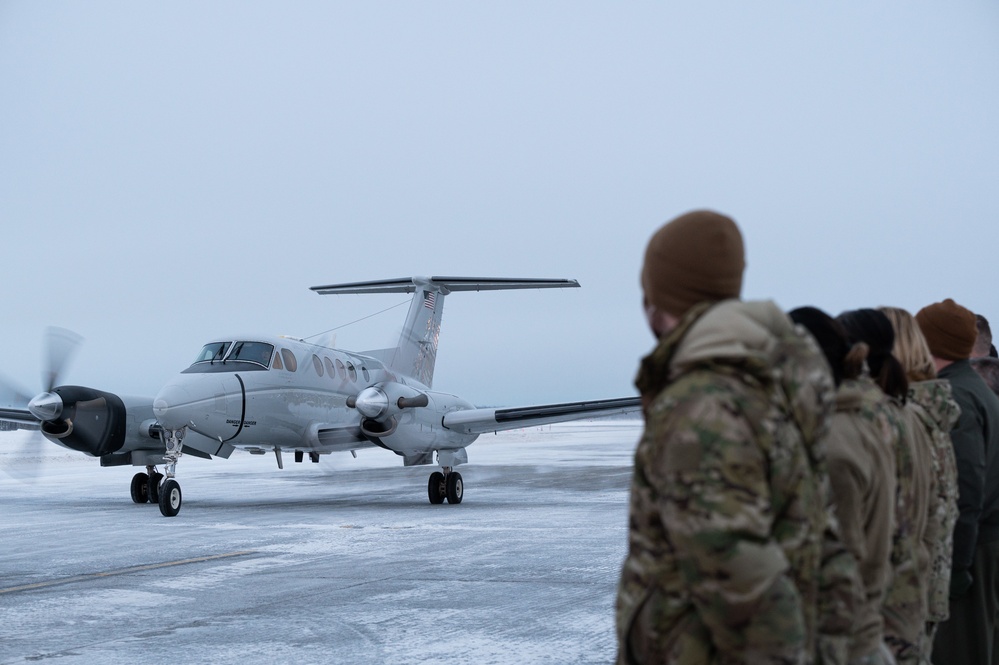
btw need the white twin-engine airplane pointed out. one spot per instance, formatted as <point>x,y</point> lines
<point>261,394</point>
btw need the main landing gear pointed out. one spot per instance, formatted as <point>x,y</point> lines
<point>145,486</point>
<point>447,485</point>
<point>154,487</point>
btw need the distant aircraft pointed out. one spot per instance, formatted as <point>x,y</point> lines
<point>276,394</point>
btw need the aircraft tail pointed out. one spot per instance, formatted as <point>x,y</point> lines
<point>416,353</point>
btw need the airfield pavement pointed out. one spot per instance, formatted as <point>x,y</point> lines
<point>344,561</point>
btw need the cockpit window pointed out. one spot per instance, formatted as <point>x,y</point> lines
<point>221,357</point>
<point>254,352</point>
<point>213,352</point>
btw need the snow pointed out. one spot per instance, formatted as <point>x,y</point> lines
<point>344,561</point>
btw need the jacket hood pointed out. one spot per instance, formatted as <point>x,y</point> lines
<point>854,394</point>
<point>934,396</point>
<point>754,338</point>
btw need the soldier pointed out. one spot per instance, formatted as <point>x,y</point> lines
<point>728,507</point>
<point>984,348</point>
<point>967,636</point>
<point>905,606</point>
<point>931,412</point>
<point>861,459</point>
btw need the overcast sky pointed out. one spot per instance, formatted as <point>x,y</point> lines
<point>174,172</point>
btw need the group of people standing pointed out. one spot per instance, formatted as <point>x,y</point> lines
<point>808,488</point>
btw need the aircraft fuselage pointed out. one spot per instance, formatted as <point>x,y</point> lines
<point>295,397</point>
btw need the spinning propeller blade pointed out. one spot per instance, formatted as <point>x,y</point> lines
<point>60,345</point>
<point>16,404</point>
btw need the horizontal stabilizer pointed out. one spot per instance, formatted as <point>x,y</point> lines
<point>444,285</point>
<point>415,355</point>
<point>479,421</point>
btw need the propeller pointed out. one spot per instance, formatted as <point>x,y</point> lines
<point>59,346</point>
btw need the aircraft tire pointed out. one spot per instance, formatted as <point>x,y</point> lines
<point>435,488</point>
<point>140,488</point>
<point>455,487</point>
<point>154,487</point>
<point>170,498</point>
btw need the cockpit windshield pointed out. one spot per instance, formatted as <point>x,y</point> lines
<point>233,356</point>
<point>213,352</point>
<point>254,352</point>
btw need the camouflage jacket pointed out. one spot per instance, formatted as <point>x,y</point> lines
<point>937,412</point>
<point>860,449</point>
<point>904,608</point>
<point>727,511</point>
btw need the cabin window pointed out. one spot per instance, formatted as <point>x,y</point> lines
<point>290,363</point>
<point>329,367</point>
<point>277,361</point>
<point>364,371</point>
<point>341,370</point>
<point>352,372</point>
<point>318,364</point>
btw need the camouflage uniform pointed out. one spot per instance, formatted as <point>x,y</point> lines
<point>937,412</point>
<point>728,510</point>
<point>861,454</point>
<point>905,605</point>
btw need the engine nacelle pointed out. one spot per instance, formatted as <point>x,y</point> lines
<point>382,401</point>
<point>90,421</point>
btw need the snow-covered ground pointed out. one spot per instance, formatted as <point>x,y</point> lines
<point>339,562</point>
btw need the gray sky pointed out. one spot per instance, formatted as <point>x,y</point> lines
<point>172,172</point>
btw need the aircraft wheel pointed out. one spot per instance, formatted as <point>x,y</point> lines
<point>455,488</point>
<point>154,487</point>
<point>140,488</point>
<point>435,488</point>
<point>170,498</point>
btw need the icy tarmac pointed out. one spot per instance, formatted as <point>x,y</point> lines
<point>344,561</point>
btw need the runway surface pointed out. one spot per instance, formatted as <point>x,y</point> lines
<point>344,561</point>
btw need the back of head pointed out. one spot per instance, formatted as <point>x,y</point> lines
<point>845,359</point>
<point>983,342</point>
<point>697,257</point>
<point>988,369</point>
<point>950,329</point>
<point>874,329</point>
<point>910,348</point>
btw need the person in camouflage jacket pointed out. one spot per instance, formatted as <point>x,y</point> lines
<point>931,404</point>
<point>729,511</point>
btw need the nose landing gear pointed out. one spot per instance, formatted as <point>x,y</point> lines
<point>169,494</point>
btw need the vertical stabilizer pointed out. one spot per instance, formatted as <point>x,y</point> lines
<point>416,353</point>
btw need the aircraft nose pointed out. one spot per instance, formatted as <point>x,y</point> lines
<point>171,406</point>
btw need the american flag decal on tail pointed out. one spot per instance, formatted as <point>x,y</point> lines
<point>429,299</point>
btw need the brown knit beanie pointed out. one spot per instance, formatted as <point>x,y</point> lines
<point>949,329</point>
<point>697,257</point>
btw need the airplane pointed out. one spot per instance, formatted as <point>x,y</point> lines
<point>272,394</point>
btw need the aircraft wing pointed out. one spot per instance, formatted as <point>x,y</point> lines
<point>14,405</point>
<point>19,416</point>
<point>479,421</point>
